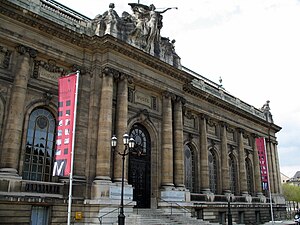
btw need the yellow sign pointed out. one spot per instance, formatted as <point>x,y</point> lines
<point>78,215</point>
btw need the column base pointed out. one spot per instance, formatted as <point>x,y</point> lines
<point>173,195</point>
<point>104,189</point>
<point>100,189</point>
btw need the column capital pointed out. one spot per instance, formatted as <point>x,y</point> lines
<point>203,116</point>
<point>123,76</point>
<point>241,130</point>
<point>22,50</point>
<point>168,94</point>
<point>254,135</point>
<point>108,71</point>
<point>180,99</point>
<point>223,124</point>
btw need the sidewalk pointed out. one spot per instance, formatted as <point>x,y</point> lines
<point>286,222</point>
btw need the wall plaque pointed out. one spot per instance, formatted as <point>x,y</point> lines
<point>52,76</point>
<point>143,99</point>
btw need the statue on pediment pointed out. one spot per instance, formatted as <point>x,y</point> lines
<point>140,29</point>
<point>266,110</point>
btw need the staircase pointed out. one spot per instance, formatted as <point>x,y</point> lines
<point>160,217</point>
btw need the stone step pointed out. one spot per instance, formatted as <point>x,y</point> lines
<point>161,217</point>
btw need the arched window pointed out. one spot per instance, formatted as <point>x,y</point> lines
<point>249,174</point>
<point>213,171</point>
<point>40,144</point>
<point>142,139</point>
<point>189,168</point>
<point>232,173</point>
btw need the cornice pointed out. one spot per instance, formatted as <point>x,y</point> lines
<point>108,43</point>
<point>189,88</point>
<point>14,12</point>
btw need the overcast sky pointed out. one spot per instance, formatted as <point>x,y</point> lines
<point>253,45</point>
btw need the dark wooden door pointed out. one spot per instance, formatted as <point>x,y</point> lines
<point>139,170</point>
<point>139,178</point>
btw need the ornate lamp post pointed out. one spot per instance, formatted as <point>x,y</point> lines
<point>128,145</point>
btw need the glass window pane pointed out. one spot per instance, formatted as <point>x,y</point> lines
<point>39,142</point>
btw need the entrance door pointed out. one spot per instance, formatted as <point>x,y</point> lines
<point>139,171</point>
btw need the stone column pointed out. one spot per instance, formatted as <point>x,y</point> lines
<point>224,160</point>
<point>121,127</point>
<point>105,127</point>
<point>15,114</point>
<point>257,173</point>
<point>242,165</point>
<point>278,168</point>
<point>167,142</point>
<point>274,167</point>
<point>270,166</point>
<point>178,143</point>
<point>204,171</point>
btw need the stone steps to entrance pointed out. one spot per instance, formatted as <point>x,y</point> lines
<point>160,217</point>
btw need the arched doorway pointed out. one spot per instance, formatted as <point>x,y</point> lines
<point>139,171</point>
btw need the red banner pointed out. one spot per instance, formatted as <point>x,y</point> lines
<point>64,137</point>
<point>260,143</point>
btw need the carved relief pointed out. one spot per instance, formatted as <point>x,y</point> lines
<point>5,55</point>
<point>230,134</point>
<point>189,119</point>
<point>24,49</point>
<point>211,127</point>
<point>47,70</point>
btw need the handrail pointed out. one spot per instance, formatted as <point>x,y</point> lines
<point>180,206</point>
<point>101,217</point>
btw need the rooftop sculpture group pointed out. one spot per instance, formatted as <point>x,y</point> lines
<point>140,29</point>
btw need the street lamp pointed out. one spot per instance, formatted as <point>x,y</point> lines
<point>128,144</point>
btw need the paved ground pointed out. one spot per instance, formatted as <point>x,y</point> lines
<point>286,222</point>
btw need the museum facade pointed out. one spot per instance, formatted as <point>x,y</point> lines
<point>195,144</point>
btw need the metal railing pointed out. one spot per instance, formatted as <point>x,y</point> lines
<point>185,210</point>
<point>100,218</point>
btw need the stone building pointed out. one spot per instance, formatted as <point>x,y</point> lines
<point>195,141</point>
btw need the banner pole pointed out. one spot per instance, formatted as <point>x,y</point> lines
<point>72,152</point>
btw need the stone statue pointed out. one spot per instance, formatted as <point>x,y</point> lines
<point>266,110</point>
<point>110,19</point>
<point>140,29</point>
